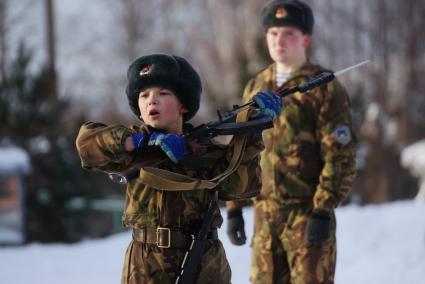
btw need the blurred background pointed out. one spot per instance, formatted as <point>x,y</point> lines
<point>65,62</point>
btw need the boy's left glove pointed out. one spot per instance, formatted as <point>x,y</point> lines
<point>236,227</point>
<point>318,227</point>
<point>173,145</point>
<point>269,104</point>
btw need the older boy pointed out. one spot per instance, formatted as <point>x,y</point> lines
<point>309,162</point>
<point>164,91</point>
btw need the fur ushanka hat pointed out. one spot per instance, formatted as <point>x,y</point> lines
<point>167,71</point>
<point>292,13</point>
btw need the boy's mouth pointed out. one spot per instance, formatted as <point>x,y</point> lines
<point>153,113</point>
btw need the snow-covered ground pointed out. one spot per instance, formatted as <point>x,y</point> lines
<point>376,244</point>
<point>13,159</point>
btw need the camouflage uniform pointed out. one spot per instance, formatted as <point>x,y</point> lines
<point>309,162</point>
<point>101,147</point>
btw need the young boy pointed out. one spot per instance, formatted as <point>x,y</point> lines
<point>164,91</point>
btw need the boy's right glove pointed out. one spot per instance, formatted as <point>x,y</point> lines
<point>236,227</point>
<point>318,227</point>
<point>269,104</point>
<point>173,145</point>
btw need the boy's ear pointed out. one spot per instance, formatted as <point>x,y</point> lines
<point>183,110</point>
<point>307,40</point>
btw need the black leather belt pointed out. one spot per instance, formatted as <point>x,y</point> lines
<point>167,238</point>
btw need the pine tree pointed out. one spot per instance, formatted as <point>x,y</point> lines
<point>37,122</point>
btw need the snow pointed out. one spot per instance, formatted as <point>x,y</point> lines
<point>14,160</point>
<point>8,236</point>
<point>376,244</point>
<point>413,158</point>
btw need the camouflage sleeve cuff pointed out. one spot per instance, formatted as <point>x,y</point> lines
<point>112,140</point>
<point>101,146</point>
<point>324,199</point>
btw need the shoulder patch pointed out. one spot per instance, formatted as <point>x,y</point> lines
<point>342,135</point>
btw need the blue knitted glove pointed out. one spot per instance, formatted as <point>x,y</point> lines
<point>270,104</point>
<point>172,144</point>
<point>139,140</point>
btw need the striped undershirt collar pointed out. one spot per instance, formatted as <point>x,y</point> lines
<point>281,78</point>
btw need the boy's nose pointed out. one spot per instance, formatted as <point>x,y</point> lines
<point>152,101</point>
<point>152,98</point>
<point>280,39</point>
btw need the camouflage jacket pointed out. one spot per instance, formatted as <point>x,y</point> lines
<point>310,152</point>
<point>101,147</point>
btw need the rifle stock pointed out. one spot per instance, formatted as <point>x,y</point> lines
<point>190,265</point>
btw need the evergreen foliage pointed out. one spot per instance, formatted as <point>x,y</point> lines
<point>37,121</point>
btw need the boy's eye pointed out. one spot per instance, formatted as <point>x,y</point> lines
<point>143,95</point>
<point>165,92</point>
<point>272,33</point>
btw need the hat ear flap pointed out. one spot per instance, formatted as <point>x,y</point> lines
<point>132,101</point>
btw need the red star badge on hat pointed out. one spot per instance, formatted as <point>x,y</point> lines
<point>145,70</point>
<point>280,13</point>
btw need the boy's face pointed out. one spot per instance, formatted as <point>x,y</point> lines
<point>286,44</point>
<point>161,109</point>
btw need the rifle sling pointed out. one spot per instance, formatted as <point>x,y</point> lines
<point>170,181</point>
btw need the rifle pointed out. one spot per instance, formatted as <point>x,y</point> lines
<point>226,125</point>
<point>192,258</point>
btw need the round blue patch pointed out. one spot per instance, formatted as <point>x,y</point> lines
<point>343,135</point>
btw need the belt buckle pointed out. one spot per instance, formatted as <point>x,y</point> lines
<point>158,243</point>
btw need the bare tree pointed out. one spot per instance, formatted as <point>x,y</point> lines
<point>3,46</point>
<point>51,50</point>
<point>132,18</point>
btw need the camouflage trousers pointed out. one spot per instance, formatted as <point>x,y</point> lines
<point>280,253</point>
<point>146,263</point>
